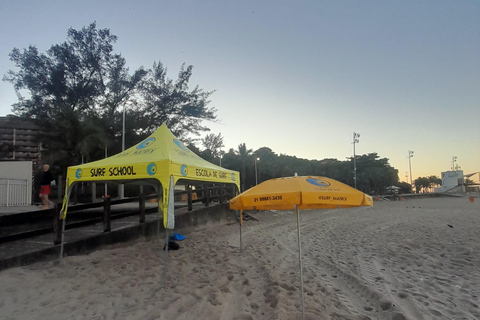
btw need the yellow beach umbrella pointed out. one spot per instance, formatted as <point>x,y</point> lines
<point>297,193</point>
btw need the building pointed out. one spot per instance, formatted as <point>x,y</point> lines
<point>19,147</point>
<point>19,140</point>
<point>452,182</point>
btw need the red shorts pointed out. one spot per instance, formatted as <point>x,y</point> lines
<point>45,190</point>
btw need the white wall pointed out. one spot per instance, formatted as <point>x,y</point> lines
<point>452,179</point>
<point>16,170</point>
<point>15,183</point>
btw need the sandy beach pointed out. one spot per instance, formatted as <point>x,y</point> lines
<point>413,259</point>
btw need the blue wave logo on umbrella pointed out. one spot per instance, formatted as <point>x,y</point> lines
<point>146,143</point>
<point>78,174</point>
<point>180,145</point>
<point>233,176</point>
<point>317,182</point>
<point>184,170</point>
<point>152,169</point>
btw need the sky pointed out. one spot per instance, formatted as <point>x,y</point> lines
<point>299,77</point>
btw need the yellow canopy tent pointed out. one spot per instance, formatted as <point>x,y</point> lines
<point>160,157</point>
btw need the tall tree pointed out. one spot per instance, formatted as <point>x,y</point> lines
<point>75,84</point>
<point>83,81</point>
<point>214,143</point>
<point>171,103</point>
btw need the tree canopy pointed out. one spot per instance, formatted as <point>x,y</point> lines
<point>79,90</point>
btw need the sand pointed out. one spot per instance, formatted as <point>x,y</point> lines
<point>414,259</point>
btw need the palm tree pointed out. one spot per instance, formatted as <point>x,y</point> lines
<point>244,154</point>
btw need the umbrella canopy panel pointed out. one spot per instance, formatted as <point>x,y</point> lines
<point>308,192</point>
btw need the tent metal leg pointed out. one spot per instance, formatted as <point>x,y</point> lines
<point>300,260</point>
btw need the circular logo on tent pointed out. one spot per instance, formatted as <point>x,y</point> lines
<point>78,174</point>
<point>184,170</point>
<point>146,143</point>
<point>233,176</point>
<point>180,145</point>
<point>152,169</point>
<point>318,182</point>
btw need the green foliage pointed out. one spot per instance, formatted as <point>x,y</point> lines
<point>244,155</point>
<point>79,90</point>
<point>169,102</point>
<point>374,174</point>
<point>425,184</point>
<point>214,143</point>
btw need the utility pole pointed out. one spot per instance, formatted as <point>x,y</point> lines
<point>410,155</point>
<point>355,140</point>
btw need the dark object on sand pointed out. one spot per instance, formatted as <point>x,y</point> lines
<point>172,246</point>
<point>450,226</point>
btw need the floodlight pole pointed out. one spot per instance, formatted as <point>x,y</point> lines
<point>355,140</point>
<point>410,155</point>
<point>256,175</point>
<point>454,159</point>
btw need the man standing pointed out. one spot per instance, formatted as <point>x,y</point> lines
<point>45,182</point>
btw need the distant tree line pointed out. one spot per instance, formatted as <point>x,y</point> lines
<point>426,184</point>
<point>374,174</point>
<point>79,91</point>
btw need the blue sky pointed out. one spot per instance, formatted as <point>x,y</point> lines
<point>299,76</point>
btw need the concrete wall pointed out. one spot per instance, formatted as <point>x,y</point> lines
<point>185,221</point>
<point>16,169</point>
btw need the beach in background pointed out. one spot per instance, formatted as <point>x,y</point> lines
<point>411,259</point>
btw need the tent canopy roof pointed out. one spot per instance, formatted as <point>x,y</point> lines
<point>159,156</point>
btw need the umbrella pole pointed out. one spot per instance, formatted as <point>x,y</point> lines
<point>241,222</point>
<point>300,260</point>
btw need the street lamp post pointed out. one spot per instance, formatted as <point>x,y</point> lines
<point>221,153</point>
<point>121,190</point>
<point>355,140</point>
<point>256,175</point>
<point>410,155</point>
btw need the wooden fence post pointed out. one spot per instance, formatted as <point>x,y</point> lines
<point>189,197</point>
<point>60,189</point>
<point>206,195</point>
<point>106,214</point>
<point>141,204</point>
<point>220,188</point>
<point>57,225</point>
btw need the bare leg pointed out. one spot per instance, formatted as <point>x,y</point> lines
<point>44,201</point>
<point>48,202</point>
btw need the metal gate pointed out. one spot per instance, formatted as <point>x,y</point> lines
<point>14,192</point>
